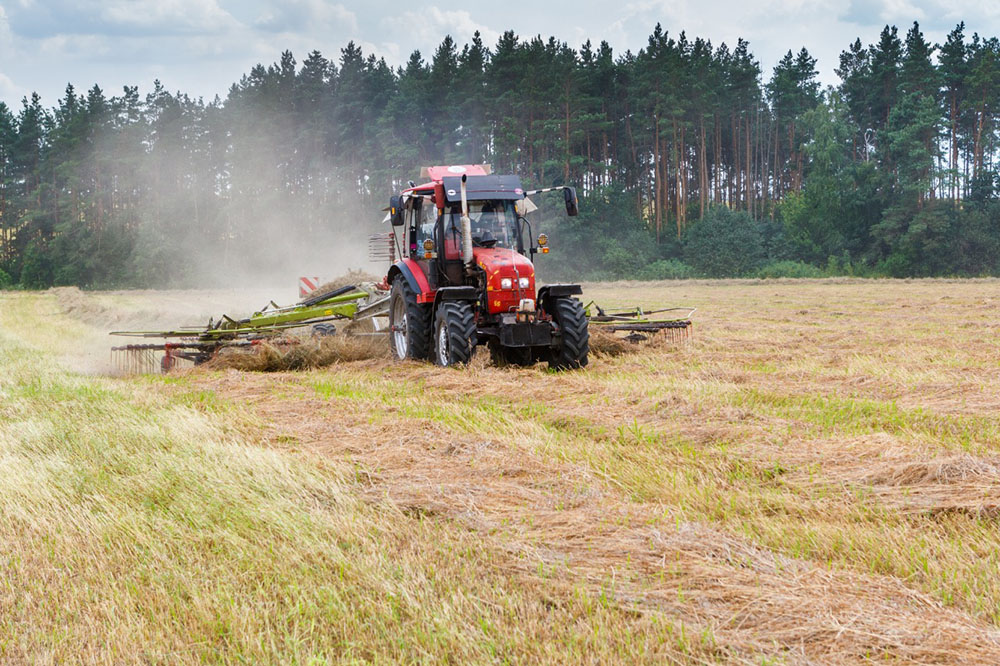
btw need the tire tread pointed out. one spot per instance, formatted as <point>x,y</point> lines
<point>418,319</point>
<point>461,326</point>
<point>569,316</point>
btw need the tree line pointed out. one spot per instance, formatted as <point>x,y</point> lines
<point>689,162</point>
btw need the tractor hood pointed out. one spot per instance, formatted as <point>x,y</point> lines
<point>501,265</point>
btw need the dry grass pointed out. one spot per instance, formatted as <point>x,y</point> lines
<point>300,354</point>
<point>811,479</point>
<point>352,277</point>
<point>604,343</point>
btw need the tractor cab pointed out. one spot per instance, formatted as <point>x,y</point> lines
<point>495,231</point>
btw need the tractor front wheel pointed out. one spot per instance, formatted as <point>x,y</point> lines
<point>454,333</point>
<point>572,322</point>
<point>409,323</point>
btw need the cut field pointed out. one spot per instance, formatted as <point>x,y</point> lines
<point>813,478</point>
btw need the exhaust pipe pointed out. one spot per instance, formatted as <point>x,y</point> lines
<point>466,228</point>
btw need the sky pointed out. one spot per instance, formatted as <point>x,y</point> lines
<point>201,47</point>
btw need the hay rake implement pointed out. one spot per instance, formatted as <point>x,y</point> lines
<point>277,325</point>
<point>272,323</point>
<point>643,325</point>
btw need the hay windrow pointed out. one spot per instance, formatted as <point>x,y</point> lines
<point>605,343</point>
<point>83,307</point>
<point>307,354</point>
<point>300,354</point>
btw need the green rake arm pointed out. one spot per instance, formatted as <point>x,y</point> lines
<point>636,315</point>
<point>268,320</point>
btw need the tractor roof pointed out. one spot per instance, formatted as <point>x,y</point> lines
<point>438,173</point>
<point>483,187</point>
<point>481,184</point>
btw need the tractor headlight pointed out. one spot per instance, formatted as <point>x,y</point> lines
<point>506,283</point>
<point>523,283</point>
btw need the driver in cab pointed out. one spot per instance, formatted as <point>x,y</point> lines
<point>488,227</point>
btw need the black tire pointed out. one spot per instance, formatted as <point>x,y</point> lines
<point>575,338</point>
<point>409,323</point>
<point>454,333</point>
<point>323,330</point>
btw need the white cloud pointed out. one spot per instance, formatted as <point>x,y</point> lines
<point>76,46</point>
<point>428,26</point>
<point>310,16</point>
<point>202,46</point>
<point>10,90</point>
<point>6,38</point>
<point>941,15</point>
<point>167,15</point>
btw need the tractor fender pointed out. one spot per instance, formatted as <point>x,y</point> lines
<point>414,276</point>
<point>465,293</point>
<point>555,291</point>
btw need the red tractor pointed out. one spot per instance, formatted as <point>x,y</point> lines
<point>465,277</point>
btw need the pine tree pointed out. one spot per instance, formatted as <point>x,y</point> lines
<point>954,72</point>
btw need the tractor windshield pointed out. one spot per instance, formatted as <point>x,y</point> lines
<point>494,224</point>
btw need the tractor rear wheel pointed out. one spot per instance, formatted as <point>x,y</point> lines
<point>454,333</point>
<point>572,322</point>
<point>409,323</point>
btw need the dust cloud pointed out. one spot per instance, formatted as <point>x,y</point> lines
<point>249,201</point>
<point>225,227</point>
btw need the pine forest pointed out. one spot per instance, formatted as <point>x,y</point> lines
<point>690,160</point>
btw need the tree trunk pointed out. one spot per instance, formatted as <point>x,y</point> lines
<point>678,193</point>
<point>953,152</point>
<point>776,168</point>
<point>717,167</point>
<point>531,148</point>
<point>658,215</point>
<point>702,169</point>
<point>734,164</point>
<point>977,151</point>
<point>748,172</point>
<point>665,181</point>
<point>566,140</point>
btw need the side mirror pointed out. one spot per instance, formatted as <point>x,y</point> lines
<point>396,211</point>
<point>572,206</point>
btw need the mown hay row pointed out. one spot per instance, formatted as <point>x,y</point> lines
<point>300,355</point>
